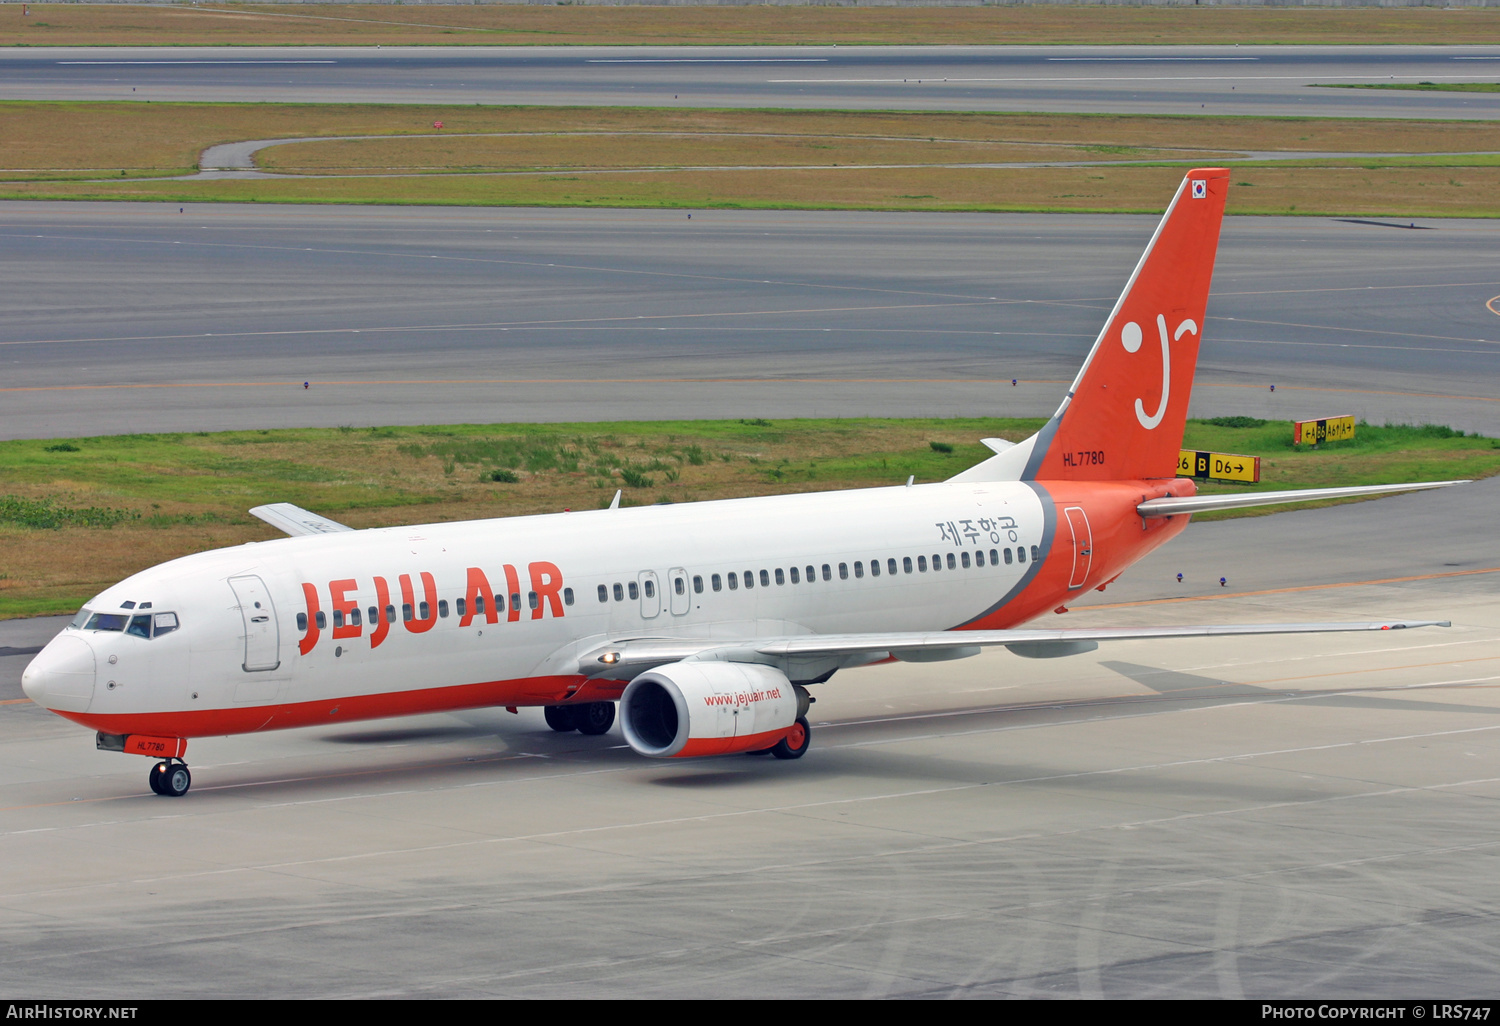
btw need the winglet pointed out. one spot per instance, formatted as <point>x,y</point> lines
<point>295,521</point>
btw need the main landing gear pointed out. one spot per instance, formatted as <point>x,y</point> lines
<point>588,718</point>
<point>170,778</point>
<point>794,746</point>
<point>796,742</point>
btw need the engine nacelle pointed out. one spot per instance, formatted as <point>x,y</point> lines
<point>688,709</point>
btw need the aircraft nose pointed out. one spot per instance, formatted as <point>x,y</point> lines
<point>61,677</point>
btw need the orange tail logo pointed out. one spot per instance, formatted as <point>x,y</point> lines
<point>1123,417</point>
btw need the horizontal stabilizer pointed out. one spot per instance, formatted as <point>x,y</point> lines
<point>1171,506</point>
<point>294,520</point>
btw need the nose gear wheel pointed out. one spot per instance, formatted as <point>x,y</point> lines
<point>170,778</point>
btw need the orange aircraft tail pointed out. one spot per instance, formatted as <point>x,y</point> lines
<point>1123,417</point>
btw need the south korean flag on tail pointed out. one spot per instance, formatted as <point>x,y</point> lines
<point>1200,188</point>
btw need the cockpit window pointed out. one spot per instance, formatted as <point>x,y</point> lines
<point>141,625</point>
<point>107,622</point>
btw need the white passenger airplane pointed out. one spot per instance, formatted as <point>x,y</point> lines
<point>707,622</point>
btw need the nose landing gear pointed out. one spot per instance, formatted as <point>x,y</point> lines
<point>170,778</point>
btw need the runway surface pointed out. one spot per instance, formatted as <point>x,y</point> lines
<point>1303,817</point>
<point>1265,80</point>
<point>132,317</point>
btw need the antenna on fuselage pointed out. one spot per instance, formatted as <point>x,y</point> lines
<point>615,502</point>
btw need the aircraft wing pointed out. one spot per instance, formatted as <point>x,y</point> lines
<point>295,520</point>
<point>624,659</point>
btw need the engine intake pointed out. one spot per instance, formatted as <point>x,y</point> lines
<point>683,710</point>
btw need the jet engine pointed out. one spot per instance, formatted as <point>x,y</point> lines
<point>711,708</point>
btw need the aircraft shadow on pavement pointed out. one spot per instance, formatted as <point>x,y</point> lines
<point>1189,688</point>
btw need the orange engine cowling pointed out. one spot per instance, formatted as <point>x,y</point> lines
<point>683,710</point>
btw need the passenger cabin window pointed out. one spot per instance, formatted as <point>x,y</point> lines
<point>937,561</point>
<point>734,581</point>
<point>567,596</point>
<point>635,592</point>
<point>765,579</point>
<point>965,559</point>
<point>406,612</point>
<point>698,584</point>
<point>827,573</point>
<point>874,567</point>
<point>423,606</point>
<point>442,607</point>
<point>679,585</point>
<point>338,618</point>
<point>717,582</point>
<point>843,571</point>
<point>979,558</point>
<point>922,564</point>
<point>890,567</point>
<point>812,575</point>
<point>859,568</point>
<point>459,605</point>
<point>906,564</point>
<point>796,577</point>
<point>531,600</point>
<point>322,619</point>
<point>603,593</point>
<point>650,587</point>
<point>619,592</point>
<point>1008,560</point>
<point>499,604</point>
<point>954,566</point>
<point>354,616</point>
<point>780,576</point>
<point>749,579</point>
<point>1036,553</point>
<point>390,614</point>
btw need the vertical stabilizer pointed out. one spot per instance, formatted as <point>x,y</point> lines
<point>1123,417</point>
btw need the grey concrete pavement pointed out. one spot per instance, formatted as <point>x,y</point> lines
<point>135,317</point>
<point>1302,817</point>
